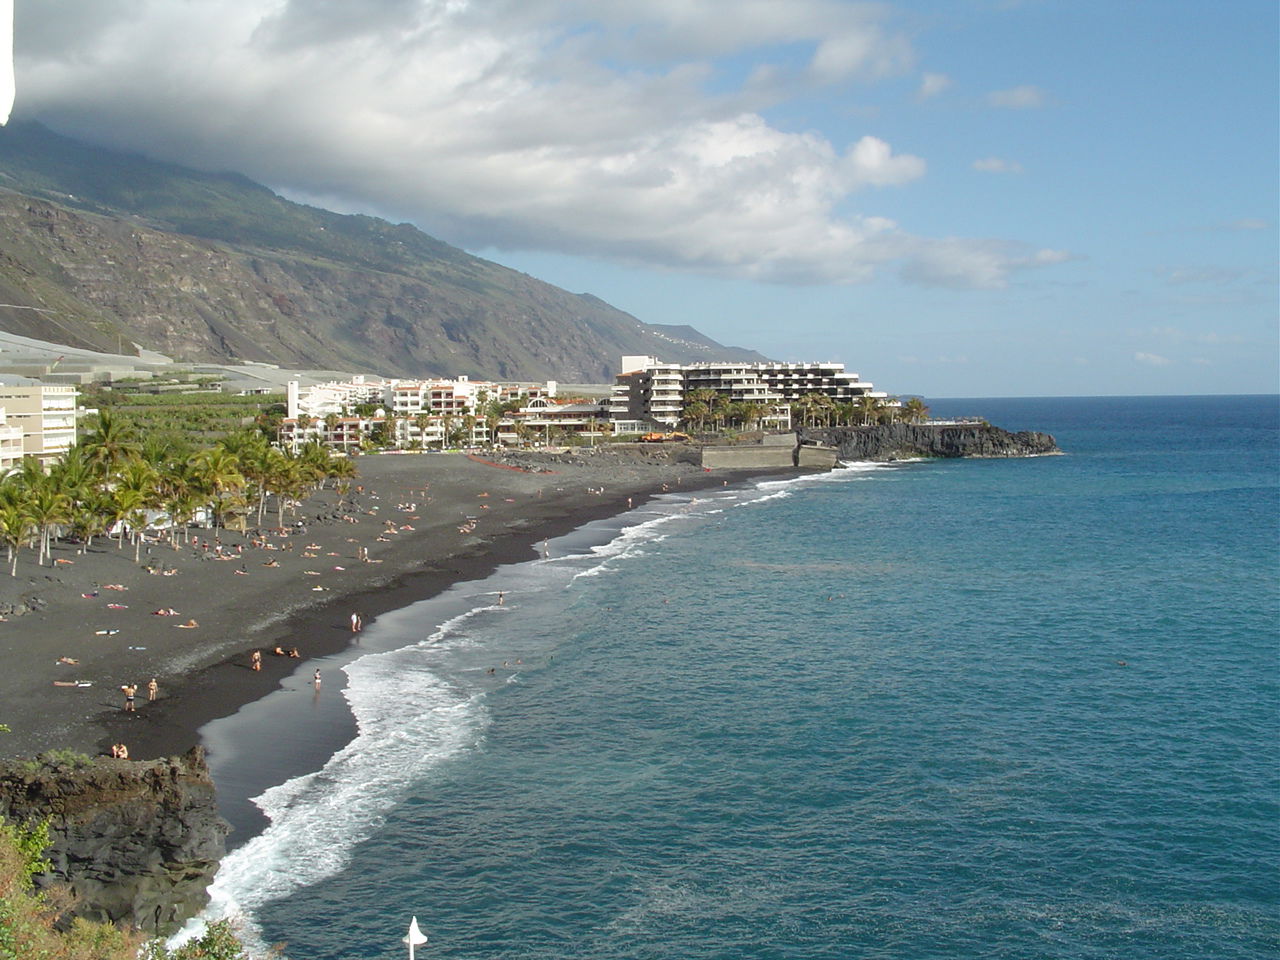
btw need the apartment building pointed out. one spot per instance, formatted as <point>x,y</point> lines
<point>649,392</point>
<point>44,413</point>
<point>10,444</point>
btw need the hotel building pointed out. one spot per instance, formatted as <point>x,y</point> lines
<point>652,393</point>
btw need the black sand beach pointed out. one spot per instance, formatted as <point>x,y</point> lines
<point>427,521</point>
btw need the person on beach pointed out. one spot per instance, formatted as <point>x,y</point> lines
<point>153,690</point>
<point>256,660</point>
<point>502,598</point>
<point>316,678</point>
<point>130,690</point>
<point>355,623</point>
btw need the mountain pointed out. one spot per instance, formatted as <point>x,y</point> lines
<point>99,248</point>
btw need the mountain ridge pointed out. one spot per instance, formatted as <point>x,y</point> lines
<point>99,247</point>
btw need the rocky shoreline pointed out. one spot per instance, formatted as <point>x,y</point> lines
<point>906,441</point>
<point>134,842</point>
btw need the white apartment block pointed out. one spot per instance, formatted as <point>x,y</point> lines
<point>406,398</point>
<point>45,416</point>
<point>319,401</point>
<point>649,391</point>
<point>10,444</point>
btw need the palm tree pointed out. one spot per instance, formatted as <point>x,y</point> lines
<point>287,481</point>
<point>112,441</point>
<point>219,474</point>
<point>15,528</point>
<point>752,413</point>
<point>719,404</point>
<point>868,407</point>
<point>423,420</point>
<point>915,411</point>
<point>695,412</point>
<point>47,507</point>
<point>178,486</point>
<point>90,515</point>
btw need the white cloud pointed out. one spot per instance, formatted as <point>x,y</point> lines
<point>1248,223</point>
<point>997,165</point>
<point>1152,359</point>
<point>592,127</point>
<point>932,84</point>
<point>1017,98</point>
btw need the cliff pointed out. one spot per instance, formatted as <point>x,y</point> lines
<point>100,248</point>
<point>902,441</point>
<point>137,842</point>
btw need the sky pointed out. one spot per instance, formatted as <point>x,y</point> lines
<point>954,198</point>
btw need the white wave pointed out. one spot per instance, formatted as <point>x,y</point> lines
<point>409,721</point>
<point>410,718</point>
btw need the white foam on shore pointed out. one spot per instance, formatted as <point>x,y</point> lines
<point>410,720</point>
<point>412,715</point>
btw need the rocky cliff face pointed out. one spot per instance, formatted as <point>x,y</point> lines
<point>901,441</point>
<point>137,842</point>
<point>100,249</point>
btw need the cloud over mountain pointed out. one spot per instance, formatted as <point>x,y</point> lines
<point>587,128</point>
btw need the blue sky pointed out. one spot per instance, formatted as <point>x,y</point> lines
<point>973,197</point>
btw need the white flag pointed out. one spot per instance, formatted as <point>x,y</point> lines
<point>416,937</point>
<point>7,89</point>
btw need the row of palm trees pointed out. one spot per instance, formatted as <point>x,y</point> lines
<point>115,481</point>
<point>706,406</point>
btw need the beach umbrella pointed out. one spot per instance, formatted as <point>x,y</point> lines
<point>416,937</point>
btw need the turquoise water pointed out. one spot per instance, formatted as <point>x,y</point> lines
<point>996,709</point>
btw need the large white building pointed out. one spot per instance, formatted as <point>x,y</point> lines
<point>45,415</point>
<point>416,413</point>
<point>649,392</point>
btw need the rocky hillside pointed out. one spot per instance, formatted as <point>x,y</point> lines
<point>99,249</point>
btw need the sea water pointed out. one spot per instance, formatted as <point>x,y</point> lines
<point>998,709</point>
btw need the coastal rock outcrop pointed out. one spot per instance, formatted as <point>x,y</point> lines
<point>136,842</point>
<point>902,441</point>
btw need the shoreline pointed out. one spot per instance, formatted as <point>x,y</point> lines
<point>468,518</point>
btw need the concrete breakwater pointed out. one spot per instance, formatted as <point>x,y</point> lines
<point>903,441</point>
<point>136,842</point>
<point>774,452</point>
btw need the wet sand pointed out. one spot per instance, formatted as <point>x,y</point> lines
<point>427,521</point>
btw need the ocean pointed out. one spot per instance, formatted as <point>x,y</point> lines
<point>964,709</point>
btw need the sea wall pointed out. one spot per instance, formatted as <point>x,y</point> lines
<point>748,457</point>
<point>136,842</point>
<point>901,441</point>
